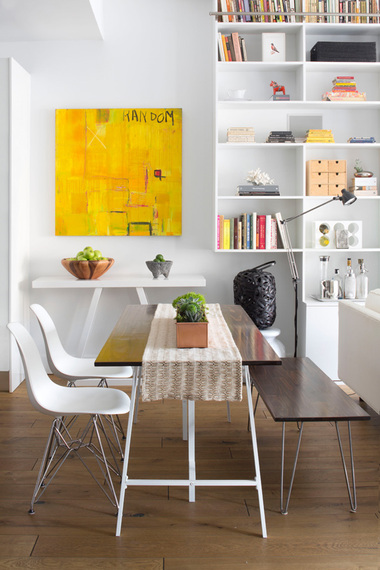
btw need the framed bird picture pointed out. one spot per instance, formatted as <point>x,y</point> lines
<point>274,47</point>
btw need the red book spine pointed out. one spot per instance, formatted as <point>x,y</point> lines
<point>261,220</point>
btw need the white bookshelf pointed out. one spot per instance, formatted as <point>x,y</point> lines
<point>305,82</point>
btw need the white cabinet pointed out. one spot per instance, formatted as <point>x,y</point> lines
<point>305,81</point>
<point>14,197</point>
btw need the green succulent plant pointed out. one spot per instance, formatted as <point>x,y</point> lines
<point>190,308</point>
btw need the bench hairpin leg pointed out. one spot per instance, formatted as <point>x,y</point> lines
<point>284,511</point>
<point>351,496</point>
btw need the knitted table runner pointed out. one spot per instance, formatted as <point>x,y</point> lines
<point>213,373</point>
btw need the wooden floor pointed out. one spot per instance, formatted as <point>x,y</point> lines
<point>74,526</point>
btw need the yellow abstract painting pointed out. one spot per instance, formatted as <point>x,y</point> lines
<point>118,172</point>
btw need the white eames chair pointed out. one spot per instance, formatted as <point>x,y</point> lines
<point>65,405</point>
<point>73,368</point>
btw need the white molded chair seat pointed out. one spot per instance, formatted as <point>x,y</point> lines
<point>61,402</point>
<point>74,369</point>
<point>69,367</point>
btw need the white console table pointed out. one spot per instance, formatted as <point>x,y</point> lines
<point>138,282</point>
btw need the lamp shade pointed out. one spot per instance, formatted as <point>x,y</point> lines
<point>347,198</point>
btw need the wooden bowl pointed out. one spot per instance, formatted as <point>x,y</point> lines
<point>87,269</point>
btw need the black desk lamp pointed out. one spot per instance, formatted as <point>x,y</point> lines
<point>347,198</point>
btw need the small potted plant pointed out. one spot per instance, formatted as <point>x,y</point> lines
<point>191,321</point>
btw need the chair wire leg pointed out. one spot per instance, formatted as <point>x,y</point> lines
<point>49,468</point>
<point>98,452</point>
<point>284,511</point>
<point>43,467</point>
<point>351,496</point>
<point>106,465</point>
<point>96,449</point>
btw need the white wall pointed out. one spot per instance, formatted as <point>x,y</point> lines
<point>154,54</point>
<point>4,204</point>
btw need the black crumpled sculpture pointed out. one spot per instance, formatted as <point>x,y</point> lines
<point>255,291</point>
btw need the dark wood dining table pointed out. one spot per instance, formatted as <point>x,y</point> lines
<point>126,345</point>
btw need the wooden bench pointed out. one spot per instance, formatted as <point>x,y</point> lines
<point>298,391</point>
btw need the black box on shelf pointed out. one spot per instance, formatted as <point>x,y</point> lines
<point>343,51</point>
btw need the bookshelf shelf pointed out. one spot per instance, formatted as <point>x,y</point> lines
<point>305,81</point>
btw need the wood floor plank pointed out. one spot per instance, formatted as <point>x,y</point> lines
<point>16,545</point>
<point>339,562</point>
<point>82,564</point>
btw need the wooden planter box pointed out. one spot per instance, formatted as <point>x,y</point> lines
<point>192,335</point>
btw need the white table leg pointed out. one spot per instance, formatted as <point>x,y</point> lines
<point>184,420</point>
<point>255,451</point>
<point>124,477</point>
<point>191,450</point>
<point>89,320</point>
<point>142,295</point>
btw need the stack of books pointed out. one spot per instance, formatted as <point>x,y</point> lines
<point>281,97</point>
<point>280,137</point>
<point>247,231</point>
<point>231,47</point>
<point>344,89</point>
<point>319,136</point>
<point>361,140</point>
<point>364,186</point>
<point>241,135</point>
<point>258,190</point>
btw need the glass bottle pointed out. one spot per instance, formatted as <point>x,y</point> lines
<point>349,282</point>
<point>323,268</point>
<point>337,277</point>
<point>361,280</point>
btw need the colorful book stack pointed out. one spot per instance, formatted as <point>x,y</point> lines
<point>241,135</point>
<point>247,231</point>
<point>280,137</point>
<point>231,47</point>
<point>344,89</point>
<point>319,136</point>
<point>364,186</point>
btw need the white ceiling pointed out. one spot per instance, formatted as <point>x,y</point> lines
<point>35,20</point>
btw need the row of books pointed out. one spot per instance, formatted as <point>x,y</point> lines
<point>348,11</point>
<point>344,11</point>
<point>231,47</point>
<point>247,231</point>
<point>283,7</point>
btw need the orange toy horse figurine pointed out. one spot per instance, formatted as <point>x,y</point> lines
<point>277,87</point>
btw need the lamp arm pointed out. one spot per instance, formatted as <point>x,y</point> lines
<point>311,209</point>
